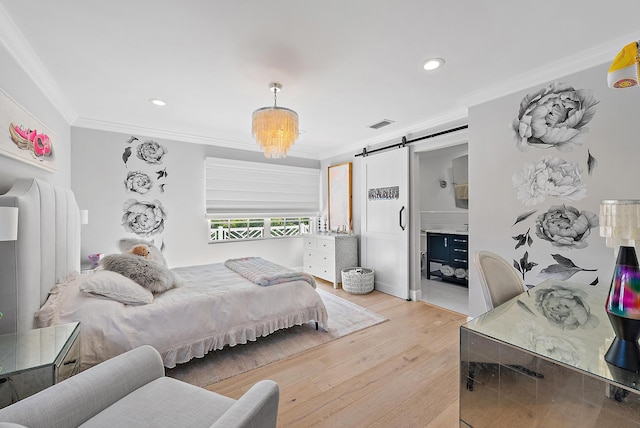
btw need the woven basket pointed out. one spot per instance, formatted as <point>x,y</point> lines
<point>357,280</point>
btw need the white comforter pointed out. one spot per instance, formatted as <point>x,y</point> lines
<point>212,307</point>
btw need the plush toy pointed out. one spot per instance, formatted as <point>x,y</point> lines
<point>141,250</point>
<point>128,244</point>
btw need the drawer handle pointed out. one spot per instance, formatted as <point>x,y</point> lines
<point>459,240</point>
<point>460,260</point>
<point>460,250</point>
<point>66,363</point>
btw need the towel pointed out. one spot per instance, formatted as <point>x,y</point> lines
<point>462,191</point>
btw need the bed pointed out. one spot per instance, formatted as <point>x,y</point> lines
<point>211,307</point>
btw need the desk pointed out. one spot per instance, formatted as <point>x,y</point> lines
<point>33,360</point>
<point>538,361</point>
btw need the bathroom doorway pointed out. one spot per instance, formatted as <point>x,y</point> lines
<point>442,196</point>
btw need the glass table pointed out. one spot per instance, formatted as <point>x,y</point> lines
<point>538,361</point>
<point>33,360</point>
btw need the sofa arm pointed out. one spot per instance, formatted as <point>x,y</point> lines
<point>257,408</point>
<point>75,400</point>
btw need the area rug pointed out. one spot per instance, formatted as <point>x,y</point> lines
<point>344,318</point>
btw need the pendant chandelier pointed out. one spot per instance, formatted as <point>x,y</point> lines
<point>275,128</point>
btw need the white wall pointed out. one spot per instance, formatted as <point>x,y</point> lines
<point>493,159</point>
<point>19,86</point>
<point>434,166</point>
<point>97,179</point>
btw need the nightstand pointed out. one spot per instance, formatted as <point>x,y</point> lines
<point>33,360</point>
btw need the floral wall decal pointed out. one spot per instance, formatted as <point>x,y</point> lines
<point>550,176</point>
<point>554,116</point>
<point>144,218</point>
<point>138,182</point>
<point>523,238</point>
<point>566,226</point>
<point>524,265</point>
<point>151,152</point>
<point>524,216</point>
<point>563,269</point>
<point>591,163</point>
<point>126,155</point>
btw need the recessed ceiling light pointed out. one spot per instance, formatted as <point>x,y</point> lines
<point>433,63</point>
<point>157,102</point>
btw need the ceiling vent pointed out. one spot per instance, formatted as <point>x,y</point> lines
<point>381,124</point>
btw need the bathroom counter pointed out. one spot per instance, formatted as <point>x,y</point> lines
<point>446,231</point>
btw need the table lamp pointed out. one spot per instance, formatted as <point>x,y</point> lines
<point>620,225</point>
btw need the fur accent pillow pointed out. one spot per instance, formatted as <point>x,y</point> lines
<point>111,285</point>
<point>128,244</point>
<point>151,275</point>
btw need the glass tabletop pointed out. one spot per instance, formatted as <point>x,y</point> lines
<point>34,348</point>
<point>560,321</point>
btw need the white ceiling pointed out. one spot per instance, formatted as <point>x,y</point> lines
<point>344,64</point>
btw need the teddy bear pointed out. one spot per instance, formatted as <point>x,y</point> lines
<point>141,250</point>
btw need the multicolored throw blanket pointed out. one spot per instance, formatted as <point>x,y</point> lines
<point>264,272</point>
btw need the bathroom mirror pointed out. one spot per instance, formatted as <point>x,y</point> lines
<point>461,181</point>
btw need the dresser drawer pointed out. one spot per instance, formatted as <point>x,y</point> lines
<point>309,243</point>
<point>324,256</point>
<point>328,245</point>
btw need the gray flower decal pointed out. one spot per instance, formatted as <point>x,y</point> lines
<point>565,226</point>
<point>151,152</point>
<point>550,176</point>
<point>138,182</point>
<point>554,116</point>
<point>143,218</point>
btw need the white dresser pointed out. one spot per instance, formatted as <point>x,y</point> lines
<point>326,254</point>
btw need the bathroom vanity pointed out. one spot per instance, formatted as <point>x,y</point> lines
<point>449,252</point>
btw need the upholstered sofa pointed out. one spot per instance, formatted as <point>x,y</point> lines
<point>131,390</point>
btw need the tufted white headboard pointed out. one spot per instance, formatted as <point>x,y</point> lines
<point>46,252</point>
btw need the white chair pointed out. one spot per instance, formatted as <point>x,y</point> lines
<point>500,281</point>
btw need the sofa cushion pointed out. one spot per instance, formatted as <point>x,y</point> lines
<point>163,402</point>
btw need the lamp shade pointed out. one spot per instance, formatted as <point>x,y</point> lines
<point>275,128</point>
<point>620,222</point>
<point>8,223</point>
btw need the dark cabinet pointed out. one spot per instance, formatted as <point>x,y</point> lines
<point>450,252</point>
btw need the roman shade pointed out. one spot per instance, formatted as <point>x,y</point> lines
<point>242,189</point>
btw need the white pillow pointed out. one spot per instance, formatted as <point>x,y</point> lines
<point>111,285</point>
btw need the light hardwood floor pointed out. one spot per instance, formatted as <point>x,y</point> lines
<point>401,373</point>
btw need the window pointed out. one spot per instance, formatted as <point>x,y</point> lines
<point>257,228</point>
<point>253,200</point>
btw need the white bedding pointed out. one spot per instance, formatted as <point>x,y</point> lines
<point>212,307</point>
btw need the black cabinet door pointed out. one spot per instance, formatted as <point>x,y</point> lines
<point>458,251</point>
<point>438,247</point>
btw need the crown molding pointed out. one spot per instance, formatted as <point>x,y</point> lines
<point>18,47</point>
<point>123,128</point>
<point>591,57</point>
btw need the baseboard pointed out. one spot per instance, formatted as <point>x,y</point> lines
<point>415,295</point>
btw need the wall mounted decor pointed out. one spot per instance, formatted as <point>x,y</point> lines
<point>339,195</point>
<point>23,137</point>
<point>554,117</point>
<point>384,193</point>
<point>146,175</point>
